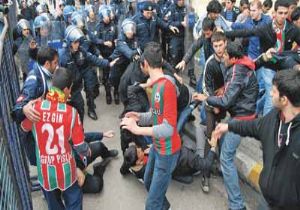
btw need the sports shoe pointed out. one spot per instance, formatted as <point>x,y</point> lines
<point>205,184</point>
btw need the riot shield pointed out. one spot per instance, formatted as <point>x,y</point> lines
<point>23,54</point>
<point>56,36</point>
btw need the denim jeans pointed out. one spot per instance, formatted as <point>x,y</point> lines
<point>230,143</point>
<point>157,177</point>
<point>264,77</point>
<point>72,198</point>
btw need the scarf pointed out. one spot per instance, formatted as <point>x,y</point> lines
<point>56,95</point>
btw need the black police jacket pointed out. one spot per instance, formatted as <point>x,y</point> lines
<point>177,15</point>
<point>279,180</point>
<point>241,90</point>
<point>267,35</point>
<point>146,30</point>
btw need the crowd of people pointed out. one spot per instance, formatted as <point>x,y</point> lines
<point>247,87</point>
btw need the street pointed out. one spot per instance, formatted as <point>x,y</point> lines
<point>127,193</point>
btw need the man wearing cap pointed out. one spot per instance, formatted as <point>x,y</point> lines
<point>148,24</point>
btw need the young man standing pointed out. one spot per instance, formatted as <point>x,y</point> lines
<point>59,124</point>
<point>279,34</point>
<point>279,133</point>
<point>163,117</point>
<point>239,99</point>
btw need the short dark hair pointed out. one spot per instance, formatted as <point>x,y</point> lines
<point>243,2</point>
<point>234,50</point>
<point>214,6</point>
<point>62,78</point>
<point>288,84</point>
<point>268,3</point>
<point>130,155</point>
<point>295,14</point>
<point>46,54</point>
<point>282,3</point>
<point>208,24</point>
<point>218,36</point>
<point>153,54</point>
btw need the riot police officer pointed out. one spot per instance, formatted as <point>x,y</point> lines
<point>67,13</point>
<point>177,12</point>
<point>89,74</point>
<point>76,58</point>
<point>148,24</point>
<point>126,51</point>
<point>107,33</point>
<point>22,35</point>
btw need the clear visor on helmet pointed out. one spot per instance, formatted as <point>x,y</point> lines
<point>42,25</point>
<point>129,27</point>
<point>23,24</point>
<point>73,34</point>
<point>78,21</point>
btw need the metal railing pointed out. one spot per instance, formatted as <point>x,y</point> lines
<point>14,173</point>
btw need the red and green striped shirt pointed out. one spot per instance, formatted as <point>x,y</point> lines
<point>55,159</point>
<point>164,107</point>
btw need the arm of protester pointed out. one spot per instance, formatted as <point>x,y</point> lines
<point>80,177</point>
<point>243,128</point>
<point>109,134</point>
<point>191,51</point>
<point>231,92</point>
<point>26,125</point>
<point>28,93</point>
<point>131,125</point>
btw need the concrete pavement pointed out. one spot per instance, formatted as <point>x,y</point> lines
<point>127,193</point>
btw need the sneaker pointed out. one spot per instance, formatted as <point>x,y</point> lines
<point>205,184</point>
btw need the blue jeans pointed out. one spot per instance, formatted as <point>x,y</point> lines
<point>264,77</point>
<point>230,143</point>
<point>72,198</point>
<point>157,177</point>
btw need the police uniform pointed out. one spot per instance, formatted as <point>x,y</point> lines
<point>78,62</point>
<point>147,30</point>
<point>106,32</point>
<point>176,44</point>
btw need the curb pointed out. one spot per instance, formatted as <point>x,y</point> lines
<point>248,168</point>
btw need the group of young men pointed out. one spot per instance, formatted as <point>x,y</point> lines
<point>242,49</point>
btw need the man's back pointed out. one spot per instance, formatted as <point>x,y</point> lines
<point>59,123</point>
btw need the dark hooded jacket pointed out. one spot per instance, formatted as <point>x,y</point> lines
<point>241,90</point>
<point>279,180</point>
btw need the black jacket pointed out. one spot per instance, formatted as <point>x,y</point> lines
<point>241,90</point>
<point>213,76</point>
<point>196,45</point>
<point>267,35</point>
<point>280,177</point>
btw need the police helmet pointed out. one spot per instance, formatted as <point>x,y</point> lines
<point>112,10</point>
<point>68,10</point>
<point>61,2</point>
<point>22,25</point>
<point>73,34</point>
<point>41,8</point>
<point>128,26</point>
<point>103,11</point>
<point>41,21</point>
<point>78,21</point>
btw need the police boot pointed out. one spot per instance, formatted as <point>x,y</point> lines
<point>91,110</point>
<point>116,97</point>
<point>108,94</point>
